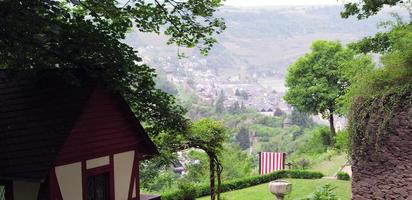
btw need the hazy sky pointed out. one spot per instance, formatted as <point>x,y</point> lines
<point>282,2</point>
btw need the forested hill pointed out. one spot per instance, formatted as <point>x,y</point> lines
<point>263,39</point>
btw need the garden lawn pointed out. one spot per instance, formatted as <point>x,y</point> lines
<point>301,188</point>
<point>330,167</point>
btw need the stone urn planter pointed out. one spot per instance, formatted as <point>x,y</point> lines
<point>280,188</point>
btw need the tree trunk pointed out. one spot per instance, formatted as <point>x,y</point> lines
<point>212,178</point>
<point>219,178</point>
<point>332,129</point>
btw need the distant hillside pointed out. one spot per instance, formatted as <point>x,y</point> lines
<point>265,41</point>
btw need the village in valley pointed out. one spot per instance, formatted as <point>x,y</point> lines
<point>193,76</point>
<point>211,99</point>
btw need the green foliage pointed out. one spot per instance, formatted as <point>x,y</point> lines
<point>219,106</point>
<point>313,81</point>
<point>242,94</point>
<point>288,140</point>
<point>274,122</point>
<point>198,172</point>
<point>318,80</point>
<point>343,176</point>
<point>301,119</point>
<point>386,90</point>
<point>208,135</point>
<point>303,163</point>
<point>86,36</point>
<point>165,180</point>
<point>163,84</point>
<point>319,142</point>
<point>236,163</point>
<point>243,138</point>
<point>376,44</point>
<point>328,163</point>
<point>235,184</point>
<point>187,191</point>
<point>325,192</point>
<point>146,174</point>
<point>342,141</point>
<point>366,8</point>
<point>235,108</point>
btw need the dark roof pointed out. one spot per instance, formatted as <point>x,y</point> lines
<point>37,112</point>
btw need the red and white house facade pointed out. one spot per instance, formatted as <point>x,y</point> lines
<point>74,147</point>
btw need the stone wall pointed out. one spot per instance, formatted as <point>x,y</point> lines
<point>385,171</point>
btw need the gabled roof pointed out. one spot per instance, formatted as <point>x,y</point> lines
<point>37,113</point>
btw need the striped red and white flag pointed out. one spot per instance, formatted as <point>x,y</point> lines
<point>271,161</point>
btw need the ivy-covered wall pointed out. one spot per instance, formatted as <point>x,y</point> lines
<point>381,137</point>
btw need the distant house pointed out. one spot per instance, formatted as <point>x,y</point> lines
<point>68,141</point>
<point>269,112</point>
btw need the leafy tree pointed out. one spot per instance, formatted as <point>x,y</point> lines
<point>236,162</point>
<point>235,108</point>
<point>243,138</point>
<point>219,106</point>
<point>244,95</point>
<point>301,119</point>
<point>209,136</point>
<point>242,107</point>
<point>318,80</point>
<point>366,8</point>
<point>86,35</point>
<point>237,93</point>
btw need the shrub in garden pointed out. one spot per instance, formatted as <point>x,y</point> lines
<point>342,141</point>
<point>187,191</point>
<point>343,176</point>
<point>325,192</point>
<point>303,163</point>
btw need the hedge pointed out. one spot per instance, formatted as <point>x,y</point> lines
<point>343,176</point>
<point>240,183</point>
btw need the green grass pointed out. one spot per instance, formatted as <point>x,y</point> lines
<point>330,167</point>
<point>301,188</point>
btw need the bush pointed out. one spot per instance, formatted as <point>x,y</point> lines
<point>236,184</point>
<point>318,143</point>
<point>342,141</point>
<point>186,191</point>
<point>324,193</point>
<point>303,163</point>
<point>343,176</point>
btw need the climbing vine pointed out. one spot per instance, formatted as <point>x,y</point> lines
<point>370,118</point>
<point>378,97</point>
